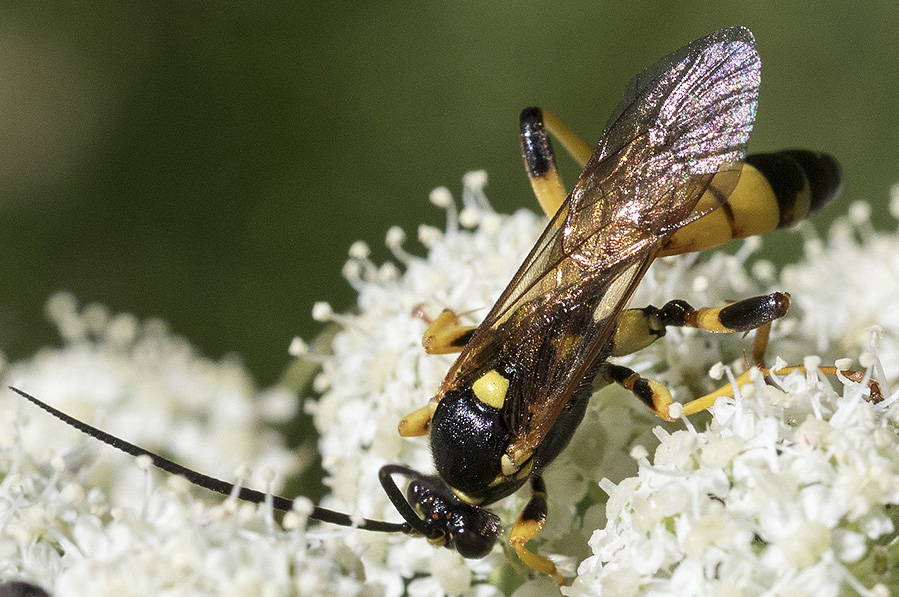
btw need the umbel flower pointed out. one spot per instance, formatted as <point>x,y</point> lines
<point>790,488</point>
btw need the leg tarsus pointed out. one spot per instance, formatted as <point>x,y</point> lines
<point>704,402</point>
<point>760,344</point>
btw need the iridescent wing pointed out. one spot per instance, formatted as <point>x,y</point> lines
<point>679,132</point>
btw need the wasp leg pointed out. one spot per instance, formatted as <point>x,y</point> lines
<point>529,524</point>
<point>760,344</point>
<point>658,398</point>
<point>576,147</point>
<point>775,190</point>
<point>648,391</point>
<point>638,328</point>
<point>539,158</point>
<point>704,402</point>
<point>418,422</point>
<point>446,334</point>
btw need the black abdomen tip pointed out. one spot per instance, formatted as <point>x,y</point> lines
<point>825,177</point>
<point>790,172</point>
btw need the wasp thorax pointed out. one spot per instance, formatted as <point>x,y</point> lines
<point>470,530</point>
<point>468,438</point>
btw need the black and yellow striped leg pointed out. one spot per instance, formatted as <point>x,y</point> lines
<point>445,334</point>
<point>540,160</point>
<point>652,393</point>
<point>529,524</point>
<point>775,190</point>
<point>657,397</point>
<point>638,328</point>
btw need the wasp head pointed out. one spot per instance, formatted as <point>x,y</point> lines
<point>471,530</point>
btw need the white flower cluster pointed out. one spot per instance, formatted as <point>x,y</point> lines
<point>376,373</point>
<point>790,486</point>
<point>143,383</point>
<point>78,518</point>
<point>792,490</point>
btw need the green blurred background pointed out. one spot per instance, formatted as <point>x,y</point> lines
<point>211,162</point>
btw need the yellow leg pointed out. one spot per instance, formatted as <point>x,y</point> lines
<point>704,402</point>
<point>658,398</point>
<point>579,149</point>
<point>446,334</point>
<point>417,423</point>
<point>760,344</point>
<point>529,524</point>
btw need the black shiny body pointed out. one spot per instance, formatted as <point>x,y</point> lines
<point>468,438</point>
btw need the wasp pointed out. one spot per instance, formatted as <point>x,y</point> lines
<point>669,175</point>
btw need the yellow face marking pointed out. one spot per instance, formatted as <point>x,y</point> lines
<point>491,388</point>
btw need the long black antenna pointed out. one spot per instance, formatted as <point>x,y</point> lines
<point>217,485</point>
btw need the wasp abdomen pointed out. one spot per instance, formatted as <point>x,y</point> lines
<point>802,181</point>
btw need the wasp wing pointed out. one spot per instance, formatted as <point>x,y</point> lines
<point>682,121</point>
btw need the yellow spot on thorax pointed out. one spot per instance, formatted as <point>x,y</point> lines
<point>491,388</point>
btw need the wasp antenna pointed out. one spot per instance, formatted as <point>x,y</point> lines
<point>199,479</point>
